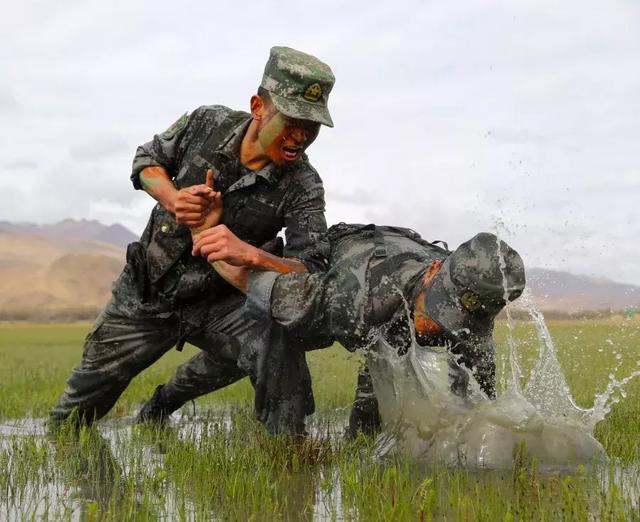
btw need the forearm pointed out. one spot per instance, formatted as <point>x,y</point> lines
<point>157,183</point>
<point>233,258</point>
<point>237,276</point>
<point>266,262</point>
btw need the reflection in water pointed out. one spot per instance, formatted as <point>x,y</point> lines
<point>121,470</point>
<point>89,471</point>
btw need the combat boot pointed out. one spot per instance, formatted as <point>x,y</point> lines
<point>365,416</point>
<point>156,409</point>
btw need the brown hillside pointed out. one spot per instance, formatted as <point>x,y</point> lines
<point>17,278</point>
<point>28,248</point>
<point>40,276</point>
<point>83,278</point>
<point>65,271</point>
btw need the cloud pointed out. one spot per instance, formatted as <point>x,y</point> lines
<point>515,136</point>
<point>8,103</point>
<point>98,147</point>
<point>355,198</point>
<point>450,117</point>
<point>21,165</point>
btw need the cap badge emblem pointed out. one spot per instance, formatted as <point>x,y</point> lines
<point>470,301</point>
<point>313,92</point>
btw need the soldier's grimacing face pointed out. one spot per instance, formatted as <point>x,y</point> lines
<point>285,139</point>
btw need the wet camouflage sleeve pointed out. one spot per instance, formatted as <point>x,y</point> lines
<point>298,301</point>
<point>166,149</point>
<point>328,305</point>
<point>306,226</point>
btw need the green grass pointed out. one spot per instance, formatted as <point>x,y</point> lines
<point>243,473</point>
<point>35,361</point>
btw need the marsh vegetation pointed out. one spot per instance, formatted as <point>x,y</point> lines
<point>215,461</point>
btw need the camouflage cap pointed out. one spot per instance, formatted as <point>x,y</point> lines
<point>299,84</point>
<point>473,285</point>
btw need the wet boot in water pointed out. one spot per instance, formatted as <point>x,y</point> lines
<point>363,420</point>
<point>364,417</point>
<point>156,409</point>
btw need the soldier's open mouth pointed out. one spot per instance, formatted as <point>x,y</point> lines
<point>291,153</point>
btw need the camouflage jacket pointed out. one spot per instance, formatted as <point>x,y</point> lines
<point>257,204</point>
<point>373,273</point>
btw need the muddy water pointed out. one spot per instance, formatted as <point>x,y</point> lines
<point>75,490</point>
<point>71,493</point>
<point>425,420</point>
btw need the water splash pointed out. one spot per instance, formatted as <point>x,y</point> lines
<point>611,395</point>
<point>425,420</point>
<point>547,388</point>
<point>516,372</point>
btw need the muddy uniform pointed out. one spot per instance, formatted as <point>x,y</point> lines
<point>165,296</point>
<point>374,275</point>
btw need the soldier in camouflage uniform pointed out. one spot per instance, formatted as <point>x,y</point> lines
<point>166,296</point>
<point>375,272</point>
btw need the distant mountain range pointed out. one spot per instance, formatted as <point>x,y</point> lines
<point>82,229</point>
<point>65,270</point>
<point>59,271</point>
<point>564,291</point>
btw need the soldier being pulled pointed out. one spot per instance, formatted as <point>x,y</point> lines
<point>165,296</point>
<point>374,273</point>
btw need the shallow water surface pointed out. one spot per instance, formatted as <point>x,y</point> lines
<point>122,466</point>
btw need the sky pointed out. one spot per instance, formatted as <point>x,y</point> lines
<point>451,118</point>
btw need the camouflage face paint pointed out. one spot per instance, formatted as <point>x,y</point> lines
<point>272,131</point>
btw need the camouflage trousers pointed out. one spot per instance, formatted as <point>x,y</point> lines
<point>121,345</point>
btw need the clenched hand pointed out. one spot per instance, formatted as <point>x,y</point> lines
<point>220,244</point>
<point>193,205</point>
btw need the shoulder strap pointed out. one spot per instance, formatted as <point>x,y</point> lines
<point>444,244</point>
<point>414,236</point>
<point>337,232</point>
<point>378,240</point>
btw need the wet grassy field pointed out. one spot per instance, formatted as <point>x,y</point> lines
<point>215,461</point>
